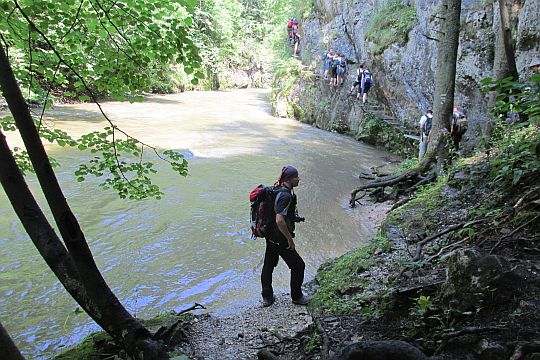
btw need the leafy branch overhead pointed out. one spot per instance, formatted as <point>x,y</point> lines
<point>96,48</point>
<point>129,177</point>
<point>112,45</point>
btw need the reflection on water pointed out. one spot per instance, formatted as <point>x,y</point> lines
<point>193,245</point>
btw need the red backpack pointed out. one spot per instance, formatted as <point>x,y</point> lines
<point>263,216</point>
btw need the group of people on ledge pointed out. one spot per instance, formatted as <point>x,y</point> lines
<point>334,67</point>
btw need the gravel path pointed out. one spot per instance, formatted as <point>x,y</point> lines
<point>241,336</point>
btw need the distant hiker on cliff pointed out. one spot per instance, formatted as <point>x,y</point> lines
<point>458,127</point>
<point>341,69</point>
<point>426,121</point>
<point>280,242</point>
<point>327,58</point>
<point>296,36</point>
<point>333,70</point>
<point>367,84</point>
<point>358,81</point>
<point>289,31</point>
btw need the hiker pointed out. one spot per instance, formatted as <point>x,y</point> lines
<point>296,36</point>
<point>458,126</point>
<point>289,31</point>
<point>358,81</point>
<point>366,85</point>
<point>426,121</point>
<point>279,241</point>
<point>327,58</point>
<point>341,69</point>
<point>334,69</point>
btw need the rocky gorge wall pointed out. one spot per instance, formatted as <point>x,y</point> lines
<point>403,74</point>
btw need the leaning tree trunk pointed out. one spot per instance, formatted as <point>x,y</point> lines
<point>445,78</point>
<point>504,61</point>
<point>9,349</point>
<point>505,55</point>
<point>101,303</point>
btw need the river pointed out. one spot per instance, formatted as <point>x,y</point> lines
<point>194,244</point>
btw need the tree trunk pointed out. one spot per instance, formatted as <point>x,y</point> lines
<point>508,66</point>
<point>504,61</point>
<point>9,349</point>
<point>445,78</point>
<point>100,302</point>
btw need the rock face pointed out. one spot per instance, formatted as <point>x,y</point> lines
<point>404,74</point>
<point>472,278</point>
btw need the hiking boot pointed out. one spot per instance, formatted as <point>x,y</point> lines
<point>304,300</point>
<point>268,301</point>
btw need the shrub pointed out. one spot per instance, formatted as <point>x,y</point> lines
<point>391,25</point>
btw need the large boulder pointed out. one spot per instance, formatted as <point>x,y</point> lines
<point>380,350</point>
<point>473,280</point>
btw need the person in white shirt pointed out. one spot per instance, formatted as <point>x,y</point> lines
<point>425,124</point>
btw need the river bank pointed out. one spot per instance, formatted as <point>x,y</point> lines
<point>194,244</point>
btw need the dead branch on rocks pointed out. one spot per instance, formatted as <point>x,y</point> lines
<point>400,203</point>
<point>524,349</point>
<point>530,197</point>
<point>514,231</point>
<point>194,307</point>
<point>448,248</point>
<point>451,228</point>
<point>325,348</point>
<point>470,331</point>
<point>169,334</point>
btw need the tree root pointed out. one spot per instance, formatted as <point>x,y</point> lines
<point>452,228</point>
<point>448,247</point>
<point>514,231</point>
<point>406,176</point>
<point>400,203</point>
<point>470,330</point>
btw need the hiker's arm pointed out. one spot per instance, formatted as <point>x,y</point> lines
<point>282,226</point>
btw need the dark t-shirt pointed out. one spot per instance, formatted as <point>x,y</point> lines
<point>282,206</point>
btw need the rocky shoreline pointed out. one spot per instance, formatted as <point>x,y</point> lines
<point>282,327</point>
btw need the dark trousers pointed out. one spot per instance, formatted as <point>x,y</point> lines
<point>293,261</point>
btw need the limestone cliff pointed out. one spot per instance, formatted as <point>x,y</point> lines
<point>403,73</point>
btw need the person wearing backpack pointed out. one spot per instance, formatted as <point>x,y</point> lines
<point>289,31</point>
<point>458,127</point>
<point>296,36</point>
<point>366,85</point>
<point>341,69</point>
<point>327,58</point>
<point>358,81</point>
<point>334,69</point>
<point>426,121</point>
<point>280,242</point>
